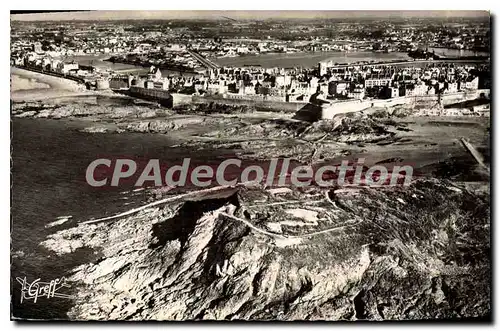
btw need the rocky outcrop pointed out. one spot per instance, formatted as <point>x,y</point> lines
<point>414,252</point>
<point>79,110</point>
<point>116,118</point>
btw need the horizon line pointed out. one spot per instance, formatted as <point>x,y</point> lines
<point>242,14</point>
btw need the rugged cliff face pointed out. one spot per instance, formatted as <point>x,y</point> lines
<point>251,253</point>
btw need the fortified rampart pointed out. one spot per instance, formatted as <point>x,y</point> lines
<point>175,99</point>
<point>163,97</point>
<point>257,101</point>
<point>328,111</point>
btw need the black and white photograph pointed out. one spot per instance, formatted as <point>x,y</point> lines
<point>250,165</point>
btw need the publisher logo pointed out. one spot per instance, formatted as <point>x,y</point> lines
<point>38,289</point>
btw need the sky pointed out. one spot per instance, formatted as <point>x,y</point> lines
<point>236,14</point>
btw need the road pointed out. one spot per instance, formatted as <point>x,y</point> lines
<point>207,63</point>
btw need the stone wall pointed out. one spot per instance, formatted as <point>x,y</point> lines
<point>181,99</point>
<point>291,107</point>
<point>161,96</point>
<point>342,107</point>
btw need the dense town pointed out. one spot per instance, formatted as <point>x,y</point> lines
<point>191,52</point>
<point>229,37</point>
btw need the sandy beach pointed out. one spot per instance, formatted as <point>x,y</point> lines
<point>21,83</point>
<point>29,86</point>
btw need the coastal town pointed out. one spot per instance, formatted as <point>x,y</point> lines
<point>189,56</point>
<point>224,36</point>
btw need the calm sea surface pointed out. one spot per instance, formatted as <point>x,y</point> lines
<point>306,60</point>
<point>49,159</point>
<point>309,59</point>
<point>456,52</point>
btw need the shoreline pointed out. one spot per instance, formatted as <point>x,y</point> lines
<point>58,87</point>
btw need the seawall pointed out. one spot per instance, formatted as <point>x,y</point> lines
<point>163,97</point>
<point>53,73</point>
<point>257,101</point>
<point>329,111</point>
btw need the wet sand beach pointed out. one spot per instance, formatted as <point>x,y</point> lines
<point>28,85</point>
